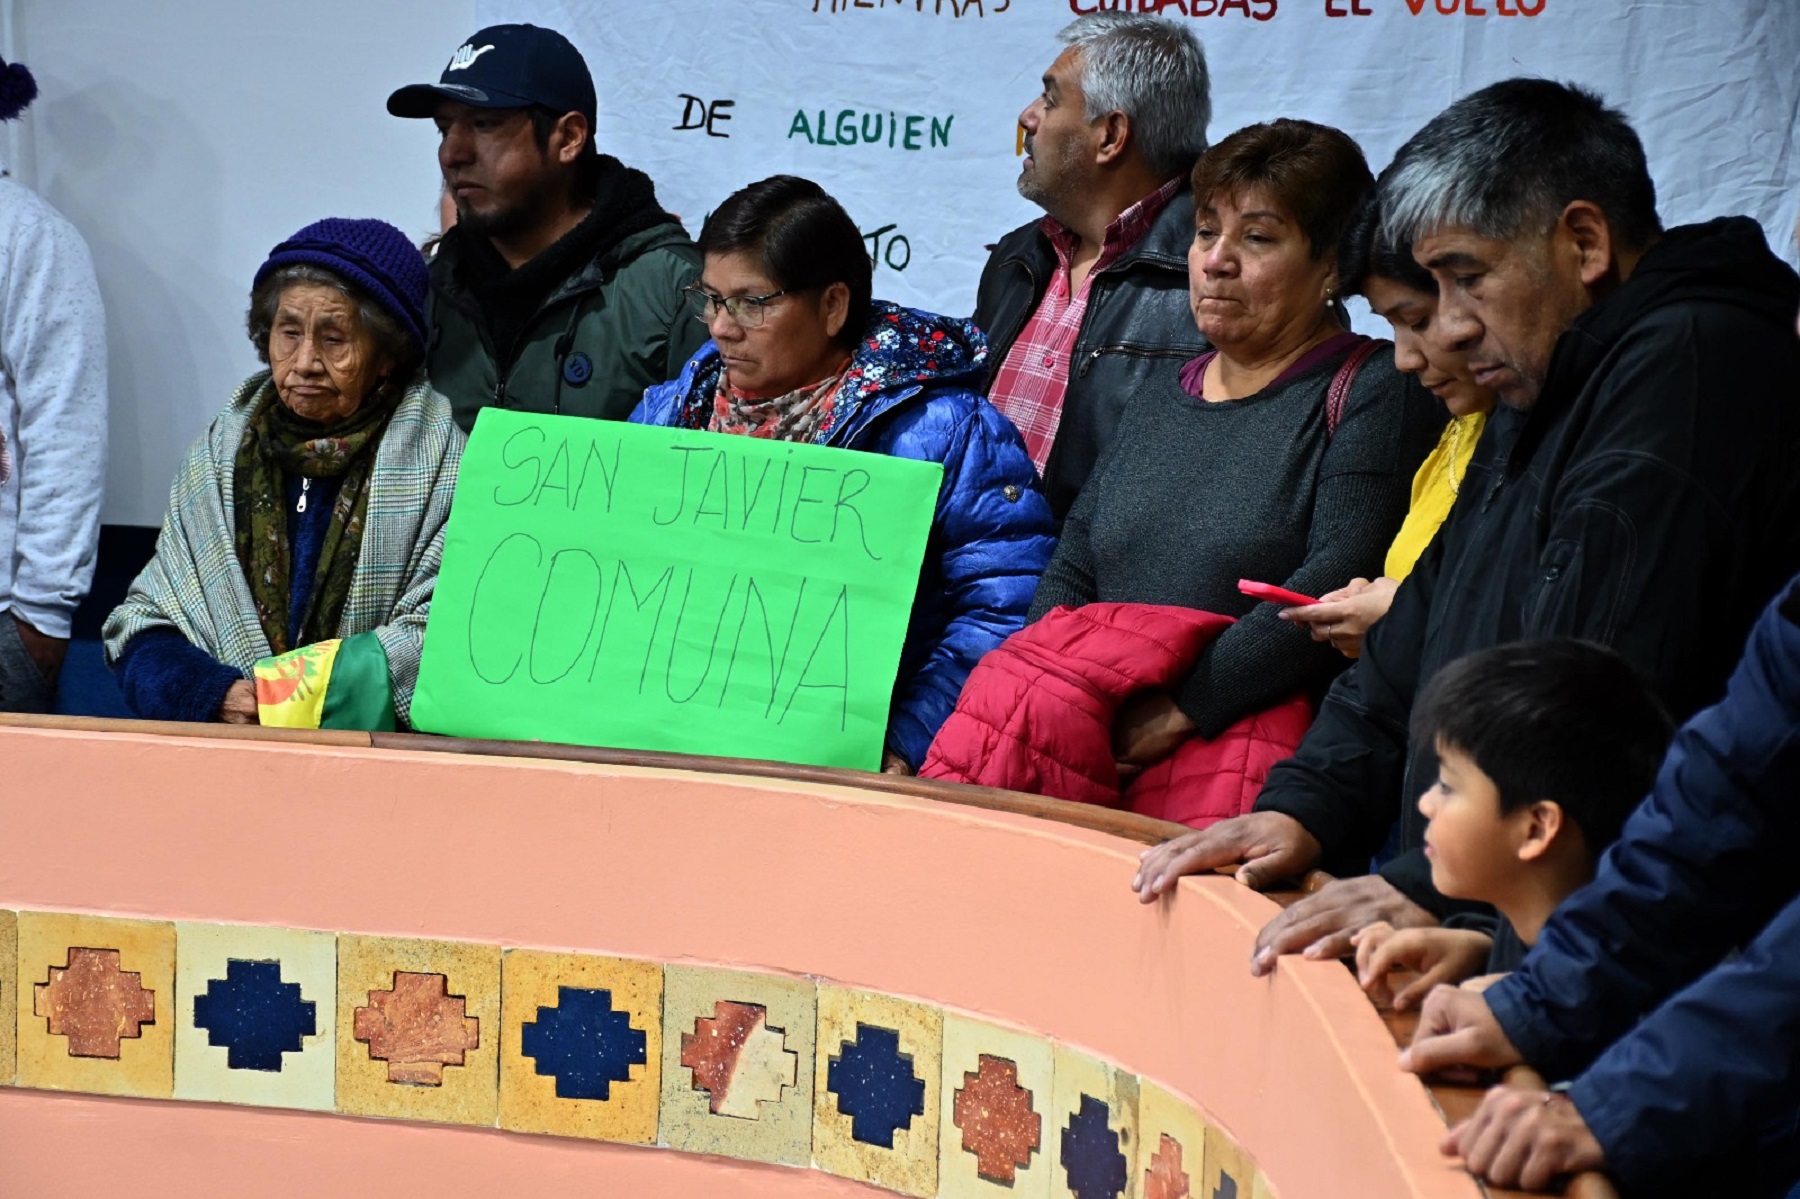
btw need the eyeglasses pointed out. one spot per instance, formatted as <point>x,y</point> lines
<point>746,312</point>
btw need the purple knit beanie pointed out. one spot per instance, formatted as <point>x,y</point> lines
<point>373,255</point>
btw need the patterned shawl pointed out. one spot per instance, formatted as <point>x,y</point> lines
<point>196,586</point>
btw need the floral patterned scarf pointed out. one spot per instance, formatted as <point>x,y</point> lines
<point>796,416</point>
<point>277,441</point>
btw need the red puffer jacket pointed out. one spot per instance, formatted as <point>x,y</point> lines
<point>1037,716</point>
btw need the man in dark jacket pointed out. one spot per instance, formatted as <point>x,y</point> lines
<point>1686,1072</point>
<point>559,287</point>
<point>1084,305</point>
<point>1636,487</point>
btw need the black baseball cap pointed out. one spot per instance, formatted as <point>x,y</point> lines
<point>506,66</point>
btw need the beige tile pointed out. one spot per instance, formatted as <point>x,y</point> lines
<point>741,1042</point>
<point>879,1124</point>
<point>1228,1172</point>
<point>1171,1150</point>
<point>229,966</point>
<point>96,1005</point>
<point>582,1048</point>
<point>1092,1128</point>
<point>9,996</point>
<point>429,1029</point>
<point>994,1112</point>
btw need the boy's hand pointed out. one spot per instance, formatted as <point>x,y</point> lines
<point>1457,1028</point>
<point>1437,955</point>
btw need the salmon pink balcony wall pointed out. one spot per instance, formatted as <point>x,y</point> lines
<point>1017,920</point>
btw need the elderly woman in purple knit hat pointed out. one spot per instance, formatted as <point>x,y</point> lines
<point>295,568</point>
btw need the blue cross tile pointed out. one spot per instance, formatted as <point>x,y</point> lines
<point>254,1016</point>
<point>583,1043</point>
<point>875,1085</point>
<point>1090,1153</point>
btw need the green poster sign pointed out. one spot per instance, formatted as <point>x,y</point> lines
<point>645,588</point>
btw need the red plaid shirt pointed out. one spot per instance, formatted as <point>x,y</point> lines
<point>1030,384</point>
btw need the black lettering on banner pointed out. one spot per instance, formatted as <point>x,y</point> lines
<point>776,663</point>
<point>806,472</point>
<point>843,502</point>
<point>507,461</point>
<point>898,255</point>
<point>475,621</point>
<point>842,687</point>
<point>541,633</point>
<point>721,475</point>
<point>712,649</point>
<point>703,114</point>
<point>622,577</point>
<point>608,478</point>
<point>681,494</point>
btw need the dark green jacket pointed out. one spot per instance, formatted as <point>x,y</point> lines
<point>613,328</point>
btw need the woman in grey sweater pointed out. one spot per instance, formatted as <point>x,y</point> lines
<point>1237,466</point>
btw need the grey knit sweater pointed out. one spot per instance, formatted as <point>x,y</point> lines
<point>1192,496</point>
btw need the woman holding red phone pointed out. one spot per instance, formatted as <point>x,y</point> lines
<point>1403,292</point>
<point>1285,455</point>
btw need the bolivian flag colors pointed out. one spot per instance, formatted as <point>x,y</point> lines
<point>337,684</point>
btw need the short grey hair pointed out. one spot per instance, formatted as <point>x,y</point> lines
<point>1153,71</point>
<point>392,342</point>
<point>1504,162</point>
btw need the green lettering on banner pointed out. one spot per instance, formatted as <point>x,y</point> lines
<point>664,589</point>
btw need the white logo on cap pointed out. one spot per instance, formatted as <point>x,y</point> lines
<point>465,57</point>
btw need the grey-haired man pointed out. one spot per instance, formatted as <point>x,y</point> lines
<point>1636,486</point>
<point>1082,305</point>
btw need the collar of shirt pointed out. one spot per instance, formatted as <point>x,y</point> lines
<point>1125,231</point>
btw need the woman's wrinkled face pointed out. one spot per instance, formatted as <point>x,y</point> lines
<point>1444,372</point>
<point>323,360</point>
<point>794,344</point>
<point>1253,283</point>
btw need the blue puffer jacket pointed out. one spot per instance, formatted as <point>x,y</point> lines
<point>1708,863</point>
<point>910,391</point>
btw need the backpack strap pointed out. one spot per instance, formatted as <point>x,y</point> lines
<point>1339,395</point>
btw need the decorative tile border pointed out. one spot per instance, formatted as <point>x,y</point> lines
<point>909,1096</point>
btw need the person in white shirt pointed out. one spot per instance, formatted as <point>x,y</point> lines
<point>53,412</point>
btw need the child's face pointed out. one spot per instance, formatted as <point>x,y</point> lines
<point>1472,846</point>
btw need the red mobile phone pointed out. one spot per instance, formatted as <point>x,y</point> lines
<point>1274,594</point>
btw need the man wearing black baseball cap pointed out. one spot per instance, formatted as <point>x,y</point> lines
<point>559,287</point>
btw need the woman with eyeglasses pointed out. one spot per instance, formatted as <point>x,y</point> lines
<point>800,352</point>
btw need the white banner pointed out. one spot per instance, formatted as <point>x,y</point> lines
<point>906,110</point>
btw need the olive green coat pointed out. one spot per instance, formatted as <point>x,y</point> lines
<point>624,311</point>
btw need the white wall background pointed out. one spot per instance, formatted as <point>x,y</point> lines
<point>186,137</point>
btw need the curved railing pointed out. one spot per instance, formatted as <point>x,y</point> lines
<point>990,916</point>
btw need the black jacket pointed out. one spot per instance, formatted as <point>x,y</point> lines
<point>1137,325</point>
<point>1650,501</point>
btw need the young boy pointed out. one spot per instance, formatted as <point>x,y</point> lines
<point>1544,748</point>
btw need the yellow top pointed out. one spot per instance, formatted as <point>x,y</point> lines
<point>1434,490</point>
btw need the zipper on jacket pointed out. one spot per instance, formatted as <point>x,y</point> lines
<point>1094,354</point>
